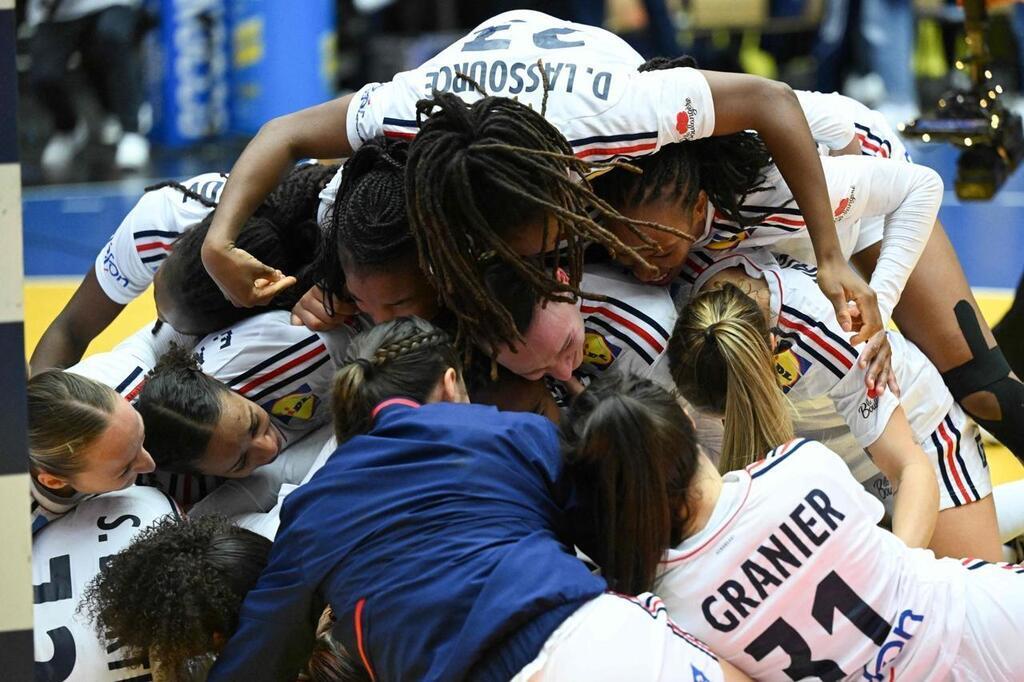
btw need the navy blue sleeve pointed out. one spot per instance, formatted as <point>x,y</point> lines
<point>276,625</point>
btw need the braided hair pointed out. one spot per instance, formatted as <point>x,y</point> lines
<point>180,407</point>
<point>368,228</point>
<point>478,173</point>
<point>402,358</point>
<point>728,168</point>
<point>282,233</point>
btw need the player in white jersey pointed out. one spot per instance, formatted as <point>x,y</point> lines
<point>141,245</point>
<point>813,357</point>
<point>493,174</point>
<point>242,397</point>
<point>58,414</point>
<point>938,312</point>
<point>781,567</point>
<point>66,555</point>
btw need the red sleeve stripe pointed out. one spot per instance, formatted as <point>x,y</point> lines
<point>628,324</point>
<point>399,135</point>
<point>257,381</point>
<point>360,642</point>
<point>166,246</point>
<point>614,151</point>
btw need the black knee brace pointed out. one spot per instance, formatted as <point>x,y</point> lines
<point>988,371</point>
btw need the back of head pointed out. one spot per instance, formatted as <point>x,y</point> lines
<point>175,586</point>
<point>180,406</point>
<point>369,227</point>
<point>403,358</point>
<point>332,662</point>
<point>66,413</point>
<point>200,307</point>
<point>296,199</point>
<point>632,454</point>
<point>721,362</point>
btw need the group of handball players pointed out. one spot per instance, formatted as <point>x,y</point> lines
<point>577,367</point>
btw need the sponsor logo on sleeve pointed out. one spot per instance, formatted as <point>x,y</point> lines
<point>300,405</point>
<point>685,120</point>
<point>599,351</point>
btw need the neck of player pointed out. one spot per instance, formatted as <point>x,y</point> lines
<point>703,496</point>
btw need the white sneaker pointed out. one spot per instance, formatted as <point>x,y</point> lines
<point>60,151</point>
<point>110,131</point>
<point>132,152</point>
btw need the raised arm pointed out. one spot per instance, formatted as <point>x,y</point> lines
<point>317,132</point>
<point>87,314</point>
<point>912,476</point>
<point>771,108</point>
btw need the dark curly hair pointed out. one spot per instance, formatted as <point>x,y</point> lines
<point>177,584</point>
<point>282,233</point>
<point>727,167</point>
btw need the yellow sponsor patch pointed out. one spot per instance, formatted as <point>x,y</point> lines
<point>787,368</point>
<point>295,406</point>
<point>596,350</point>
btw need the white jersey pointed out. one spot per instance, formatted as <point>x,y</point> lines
<point>597,99</point>
<point>284,368</point>
<point>906,196</point>
<point>628,331</point>
<point>124,368</point>
<point>66,555</point>
<point>126,265</point>
<point>792,578</point>
<point>821,361</point>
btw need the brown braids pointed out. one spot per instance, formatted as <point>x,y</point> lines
<point>403,358</point>
<point>478,173</point>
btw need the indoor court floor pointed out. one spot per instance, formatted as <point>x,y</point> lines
<point>65,226</point>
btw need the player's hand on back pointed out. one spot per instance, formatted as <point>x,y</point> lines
<point>241,277</point>
<point>876,359</point>
<point>311,312</point>
<point>841,285</point>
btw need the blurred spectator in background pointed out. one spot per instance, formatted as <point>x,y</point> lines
<point>104,32</point>
<point>879,34</point>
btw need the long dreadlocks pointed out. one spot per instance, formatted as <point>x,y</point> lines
<point>476,174</point>
<point>728,168</point>
<point>369,226</point>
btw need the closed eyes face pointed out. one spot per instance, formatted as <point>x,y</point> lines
<point>668,253</point>
<point>243,440</point>
<point>397,291</point>
<point>552,345</point>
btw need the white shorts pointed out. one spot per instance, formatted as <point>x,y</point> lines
<point>959,458</point>
<point>990,646</point>
<point>614,638</point>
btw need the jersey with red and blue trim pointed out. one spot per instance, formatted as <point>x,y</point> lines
<point>792,579</point>
<point>126,265</point>
<point>815,357</point>
<point>595,96</point>
<point>628,329</point>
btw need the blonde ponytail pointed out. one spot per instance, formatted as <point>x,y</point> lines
<point>722,362</point>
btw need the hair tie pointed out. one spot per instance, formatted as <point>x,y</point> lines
<point>709,333</point>
<point>366,364</point>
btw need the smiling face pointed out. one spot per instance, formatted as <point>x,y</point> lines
<point>113,460</point>
<point>669,253</point>
<point>243,439</point>
<point>552,345</point>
